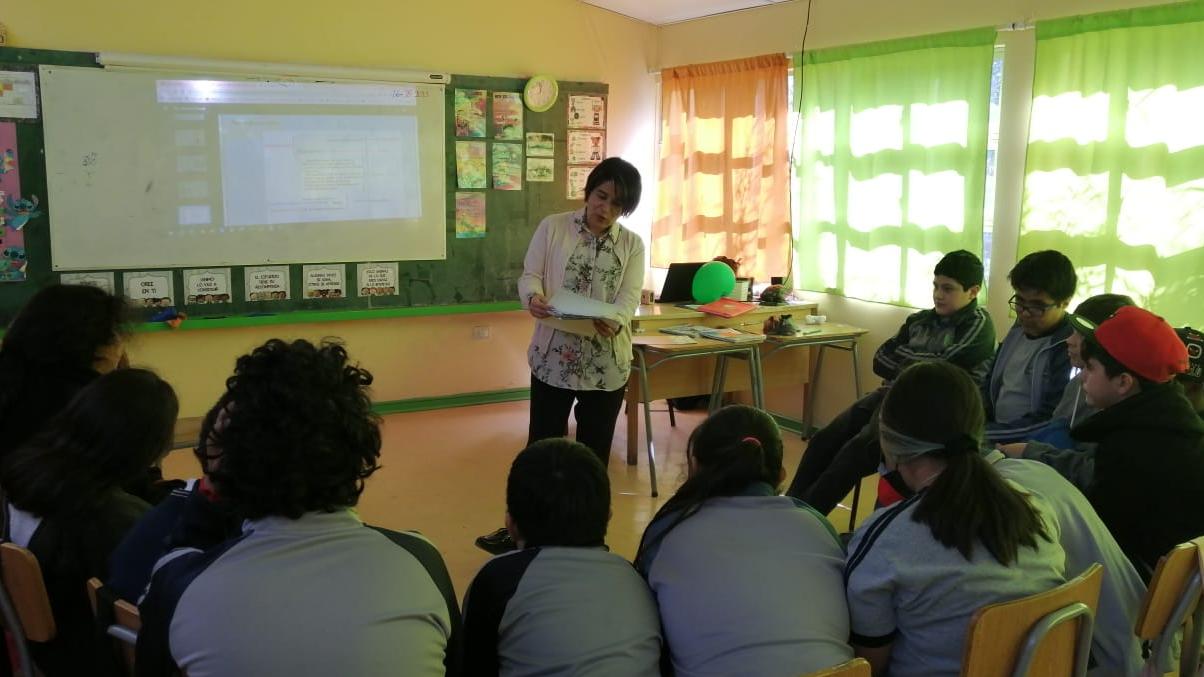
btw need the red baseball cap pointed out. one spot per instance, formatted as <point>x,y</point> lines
<point>1140,340</point>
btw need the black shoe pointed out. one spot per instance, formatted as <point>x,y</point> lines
<point>497,542</point>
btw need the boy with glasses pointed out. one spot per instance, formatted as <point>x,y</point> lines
<point>1031,368</point>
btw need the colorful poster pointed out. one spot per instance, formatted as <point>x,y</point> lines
<point>541,169</point>
<point>575,182</point>
<point>508,166</point>
<point>98,279</point>
<point>377,279</point>
<point>210,285</point>
<point>18,95</point>
<point>541,144</point>
<point>470,215</point>
<point>267,283</point>
<point>586,112</point>
<point>150,289</point>
<point>470,112</point>
<point>15,211</point>
<point>323,282</point>
<point>586,147</point>
<point>508,116</point>
<point>470,164</point>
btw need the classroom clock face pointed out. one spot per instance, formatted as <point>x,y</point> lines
<point>540,93</point>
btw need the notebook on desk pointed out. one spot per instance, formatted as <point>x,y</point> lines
<point>679,283</point>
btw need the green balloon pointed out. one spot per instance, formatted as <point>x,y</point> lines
<point>713,281</point>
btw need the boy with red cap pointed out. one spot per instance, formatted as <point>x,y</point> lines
<point>1149,465</point>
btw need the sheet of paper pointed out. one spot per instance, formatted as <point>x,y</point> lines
<point>586,147</point>
<point>508,166</point>
<point>209,285</point>
<point>575,182</point>
<point>324,282</point>
<point>377,279</point>
<point>470,165</point>
<point>267,283</point>
<point>15,209</point>
<point>18,95</point>
<point>587,112</point>
<point>470,112</point>
<point>99,279</point>
<point>470,215</point>
<point>541,144</point>
<point>541,169</point>
<point>508,116</point>
<point>149,289</point>
<point>573,306</point>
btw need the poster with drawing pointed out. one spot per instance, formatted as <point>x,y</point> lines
<point>149,289</point>
<point>15,210</point>
<point>541,169</point>
<point>587,112</point>
<point>377,279</point>
<point>575,182</point>
<point>324,282</point>
<point>507,166</point>
<point>507,116</point>
<point>99,279</point>
<point>541,144</point>
<point>470,112</point>
<point>470,164</point>
<point>586,147</point>
<point>209,285</point>
<point>267,283</point>
<point>470,215</point>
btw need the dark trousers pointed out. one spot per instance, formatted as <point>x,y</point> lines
<point>838,456</point>
<point>596,412</point>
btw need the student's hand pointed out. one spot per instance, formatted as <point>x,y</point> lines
<point>603,328</point>
<point>538,307</point>
<point>1013,450</point>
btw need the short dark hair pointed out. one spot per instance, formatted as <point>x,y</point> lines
<point>1102,306</point>
<point>626,179</point>
<point>105,438</point>
<point>300,433</point>
<point>961,265</point>
<point>49,353</point>
<point>558,494</point>
<point>1092,350</point>
<point>1046,271</point>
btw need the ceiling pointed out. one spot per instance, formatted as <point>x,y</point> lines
<point>661,12</point>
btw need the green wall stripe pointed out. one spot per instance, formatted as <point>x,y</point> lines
<point>450,401</point>
<point>311,316</point>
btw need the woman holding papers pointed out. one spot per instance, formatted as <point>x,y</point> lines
<point>588,253</point>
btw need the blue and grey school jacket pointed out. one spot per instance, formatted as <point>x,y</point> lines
<point>965,338</point>
<point>1050,374</point>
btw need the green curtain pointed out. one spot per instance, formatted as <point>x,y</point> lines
<point>1115,164</point>
<point>890,162</point>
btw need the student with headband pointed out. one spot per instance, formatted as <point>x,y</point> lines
<point>747,582</point>
<point>919,569</point>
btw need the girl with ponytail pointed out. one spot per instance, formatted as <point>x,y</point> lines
<point>919,569</point>
<point>747,581</point>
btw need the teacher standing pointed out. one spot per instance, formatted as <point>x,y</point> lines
<point>588,252</point>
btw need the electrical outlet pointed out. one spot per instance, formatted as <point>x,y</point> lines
<point>480,332</point>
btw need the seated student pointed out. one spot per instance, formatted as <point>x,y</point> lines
<point>748,582</point>
<point>307,589</point>
<point>1192,380</point>
<point>917,571</point>
<point>1032,367</point>
<point>64,499</point>
<point>562,604</point>
<point>1149,458</point>
<point>1073,408</point>
<point>956,330</point>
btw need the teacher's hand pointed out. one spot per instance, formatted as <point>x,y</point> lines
<point>538,307</point>
<point>603,328</point>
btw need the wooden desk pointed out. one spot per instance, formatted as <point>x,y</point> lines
<point>828,334</point>
<point>695,376</point>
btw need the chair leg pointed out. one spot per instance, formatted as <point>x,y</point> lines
<point>672,418</point>
<point>856,501</point>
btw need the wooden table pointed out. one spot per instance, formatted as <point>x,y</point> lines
<point>826,335</point>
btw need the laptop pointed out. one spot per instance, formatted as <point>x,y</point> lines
<point>679,283</point>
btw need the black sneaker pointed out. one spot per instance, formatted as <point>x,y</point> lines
<point>497,542</point>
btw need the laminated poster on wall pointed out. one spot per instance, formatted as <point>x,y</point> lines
<point>149,288</point>
<point>18,95</point>
<point>470,215</point>
<point>508,166</point>
<point>15,210</point>
<point>207,285</point>
<point>324,282</point>
<point>508,116</point>
<point>587,112</point>
<point>575,182</point>
<point>586,147</point>
<point>470,112</point>
<point>96,278</point>
<point>377,279</point>
<point>267,283</point>
<point>470,165</point>
<point>541,169</point>
<point>541,144</point>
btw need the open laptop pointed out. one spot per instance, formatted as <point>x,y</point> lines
<point>679,283</point>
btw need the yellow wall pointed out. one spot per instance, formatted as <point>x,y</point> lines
<point>412,357</point>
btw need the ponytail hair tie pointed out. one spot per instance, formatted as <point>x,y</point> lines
<point>962,444</point>
<point>752,439</point>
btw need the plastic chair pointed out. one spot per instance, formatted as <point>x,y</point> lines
<point>1171,602</point>
<point>119,619</point>
<point>1042,635</point>
<point>858,667</point>
<point>25,605</point>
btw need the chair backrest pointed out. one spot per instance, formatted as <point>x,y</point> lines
<point>26,590</point>
<point>857,667</point>
<point>119,618</point>
<point>1170,580</point>
<point>1046,634</point>
<point>1173,602</point>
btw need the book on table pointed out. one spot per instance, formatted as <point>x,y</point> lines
<point>726,307</point>
<point>730,335</point>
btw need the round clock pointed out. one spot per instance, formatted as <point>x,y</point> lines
<point>540,93</point>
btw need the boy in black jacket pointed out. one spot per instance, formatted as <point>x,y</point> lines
<point>1149,463</point>
<point>956,330</point>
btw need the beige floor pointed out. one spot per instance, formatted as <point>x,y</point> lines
<point>444,474</point>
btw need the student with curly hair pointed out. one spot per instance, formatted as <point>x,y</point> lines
<point>64,498</point>
<point>748,582</point>
<point>307,589</point>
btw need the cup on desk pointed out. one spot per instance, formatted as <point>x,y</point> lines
<point>815,319</point>
<point>647,297</point>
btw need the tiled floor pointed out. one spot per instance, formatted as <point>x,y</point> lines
<point>444,474</point>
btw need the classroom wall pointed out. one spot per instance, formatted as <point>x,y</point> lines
<point>411,357</point>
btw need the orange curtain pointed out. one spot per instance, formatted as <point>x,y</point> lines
<point>724,165</point>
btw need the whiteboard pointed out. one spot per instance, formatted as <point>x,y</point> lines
<point>157,169</point>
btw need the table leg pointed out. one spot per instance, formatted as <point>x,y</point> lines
<point>812,387</point>
<point>717,383</point>
<point>647,423</point>
<point>856,368</point>
<point>755,377</point>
